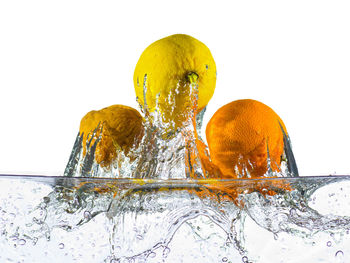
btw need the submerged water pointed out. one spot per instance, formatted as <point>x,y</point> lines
<point>126,220</point>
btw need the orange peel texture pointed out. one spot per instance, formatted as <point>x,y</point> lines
<point>117,127</point>
<point>242,135</point>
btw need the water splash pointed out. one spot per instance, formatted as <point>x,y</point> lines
<point>160,197</point>
<point>146,221</point>
<point>167,149</point>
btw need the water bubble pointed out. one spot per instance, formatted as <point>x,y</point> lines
<point>152,255</point>
<point>329,243</point>
<point>245,259</point>
<point>339,254</point>
<point>224,259</point>
<point>35,240</point>
<point>87,215</point>
<point>61,246</point>
<point>21,242</point>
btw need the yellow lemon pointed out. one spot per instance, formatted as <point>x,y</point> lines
<point>242,134</point>
<point>164,72</point>
<point>119,127</point>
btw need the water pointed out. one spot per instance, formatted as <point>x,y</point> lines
<point>167,149</point>
<point>160,203</point>
<point>129,220</point>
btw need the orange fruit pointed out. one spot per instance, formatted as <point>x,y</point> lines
<point>242,135</point>
<point>114,129</point>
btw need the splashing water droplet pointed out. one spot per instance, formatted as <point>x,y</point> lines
<point>61,246</point>
<point>329,244</point>
<point>245,259</point>
<point>224,259</point>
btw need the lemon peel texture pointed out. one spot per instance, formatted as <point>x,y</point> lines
<point>166,70</point>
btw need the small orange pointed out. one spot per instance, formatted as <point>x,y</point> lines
<point>117,128</point>
<point>242,135</point>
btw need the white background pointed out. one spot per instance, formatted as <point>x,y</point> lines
<point>61,59</point>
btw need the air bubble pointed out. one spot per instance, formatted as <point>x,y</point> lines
<point>224,259</point>
<point>245,259</point>
<point>35,240</point>
<point>87,215</point>
<point>339,254</point>
<point>152,255</point>
<point>61,246</point>
<point>21,242</point>
<point>329,244</point>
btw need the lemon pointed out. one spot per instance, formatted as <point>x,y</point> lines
<point>119,128</point>
<point>164,72</point>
